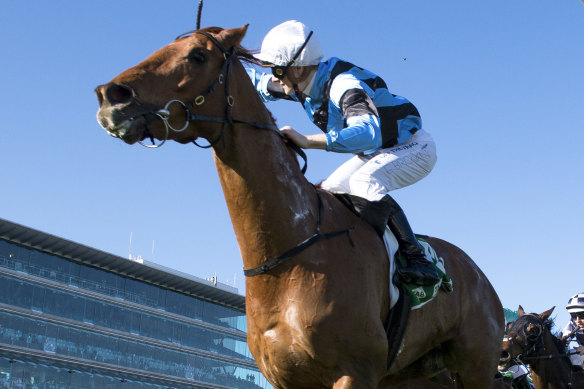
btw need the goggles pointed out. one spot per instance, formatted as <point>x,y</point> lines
<point>280,71</point>
<point>577,315</point>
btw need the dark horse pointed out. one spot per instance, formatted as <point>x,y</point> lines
<point>529,340</point>
<point>316,320</point>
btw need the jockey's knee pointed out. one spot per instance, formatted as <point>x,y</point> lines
<point>366,187</point>
<point>333,186</point>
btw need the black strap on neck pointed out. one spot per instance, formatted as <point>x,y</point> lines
<point>318,236</point>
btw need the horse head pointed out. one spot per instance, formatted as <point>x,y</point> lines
<point>524,337</point>
<point>154,99</point>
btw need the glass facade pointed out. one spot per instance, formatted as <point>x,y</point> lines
<point>64,324</point>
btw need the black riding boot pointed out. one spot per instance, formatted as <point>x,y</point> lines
<point>386,212</point>
<point>419,269</point>
<point>375,213</point>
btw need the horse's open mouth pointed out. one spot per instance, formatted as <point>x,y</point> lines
<point>126,131</point>
<point>130,130</point>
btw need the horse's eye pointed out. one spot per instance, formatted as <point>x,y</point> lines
<point>197,57</point>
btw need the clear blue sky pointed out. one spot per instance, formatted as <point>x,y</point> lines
<point>499,84</point>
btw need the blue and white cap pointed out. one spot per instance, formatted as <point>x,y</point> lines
<point>576,303</point>
<point>285,40</point>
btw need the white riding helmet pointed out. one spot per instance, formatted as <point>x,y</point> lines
<point>285,41</point>
<point>576,303</point>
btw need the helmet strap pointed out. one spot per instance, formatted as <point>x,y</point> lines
<point>293,60</point>
<point>299,94</point>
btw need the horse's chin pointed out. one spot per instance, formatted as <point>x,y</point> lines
<point>130,130</point>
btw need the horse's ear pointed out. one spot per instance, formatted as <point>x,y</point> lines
<point>545,315</point>
<point>233,36</point>
<point>520,311</point>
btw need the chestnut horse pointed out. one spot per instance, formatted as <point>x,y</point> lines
<point>529,340</point>
<point>316,310</point>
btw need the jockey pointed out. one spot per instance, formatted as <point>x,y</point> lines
<point>575,328</point>
<point>358,115</point>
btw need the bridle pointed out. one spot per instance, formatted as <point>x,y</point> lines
<point>227,118</point>
<point>531,343</point>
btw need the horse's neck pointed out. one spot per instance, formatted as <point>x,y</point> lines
<point>271,204</point>
<point>552,373</point>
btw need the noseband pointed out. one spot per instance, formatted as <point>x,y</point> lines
<point>530,343</point>
<point>227,119</point>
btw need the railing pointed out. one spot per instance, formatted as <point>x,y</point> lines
<point>15,264</point>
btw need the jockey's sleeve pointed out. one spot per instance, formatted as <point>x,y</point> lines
<point>267,89</point>
<point>260,82</point>
<point>362,131</point>
<point>567,329</point>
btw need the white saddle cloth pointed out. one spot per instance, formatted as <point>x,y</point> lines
<point>391,246</point>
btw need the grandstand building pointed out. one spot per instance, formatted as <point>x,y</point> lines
<point>75,317</point>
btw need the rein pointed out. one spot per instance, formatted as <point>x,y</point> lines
<point>227,119</point>
<point>550,356</point>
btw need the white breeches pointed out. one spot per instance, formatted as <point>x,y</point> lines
<point>373,176</point>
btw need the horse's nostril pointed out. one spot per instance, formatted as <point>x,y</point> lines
<point>99,95</point>
<point>505,356</point>
<point>118,94</point>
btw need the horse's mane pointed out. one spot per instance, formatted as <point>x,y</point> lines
<point>247,55</point>
<point>561,346</point>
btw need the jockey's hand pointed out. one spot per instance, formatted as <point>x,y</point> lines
<point>317,141</point>
<point>296,137</point>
